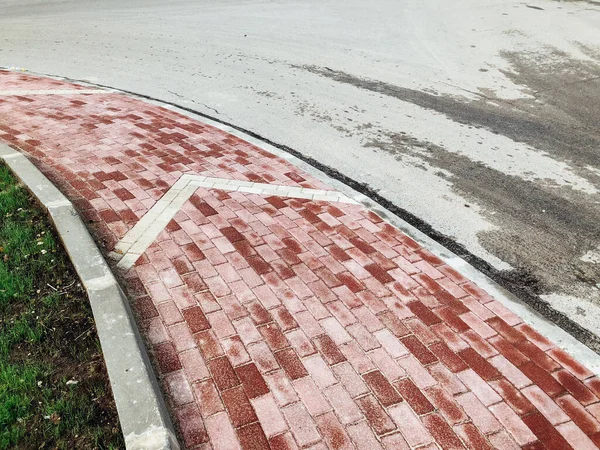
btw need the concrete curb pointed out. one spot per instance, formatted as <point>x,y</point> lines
<point>142,411</point>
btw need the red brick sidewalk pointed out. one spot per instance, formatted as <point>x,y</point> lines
<point>280,322</point>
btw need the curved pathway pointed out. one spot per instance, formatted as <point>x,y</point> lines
<point>280,314</point>
<point>490,121</point>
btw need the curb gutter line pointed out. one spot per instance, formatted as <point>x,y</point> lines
<point>142,411</point>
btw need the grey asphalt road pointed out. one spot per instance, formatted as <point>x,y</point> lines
<point>477,119</point>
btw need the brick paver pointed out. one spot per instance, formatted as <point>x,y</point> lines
<point>291,323</point>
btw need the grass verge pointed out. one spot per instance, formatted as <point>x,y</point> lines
<point>54,391</point>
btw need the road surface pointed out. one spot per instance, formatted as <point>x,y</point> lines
<point>479,120</point>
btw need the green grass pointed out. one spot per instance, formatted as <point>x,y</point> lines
<point>47,338</point>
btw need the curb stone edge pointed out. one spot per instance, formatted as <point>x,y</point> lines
<point>142,411</point>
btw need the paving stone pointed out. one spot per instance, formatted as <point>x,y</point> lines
<point>377,417</point>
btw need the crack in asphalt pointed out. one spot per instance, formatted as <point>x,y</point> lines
<point>197,103</point>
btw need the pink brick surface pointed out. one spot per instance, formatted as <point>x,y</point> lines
<point>286,323</point>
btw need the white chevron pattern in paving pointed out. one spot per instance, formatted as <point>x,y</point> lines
<point>145,232</point>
